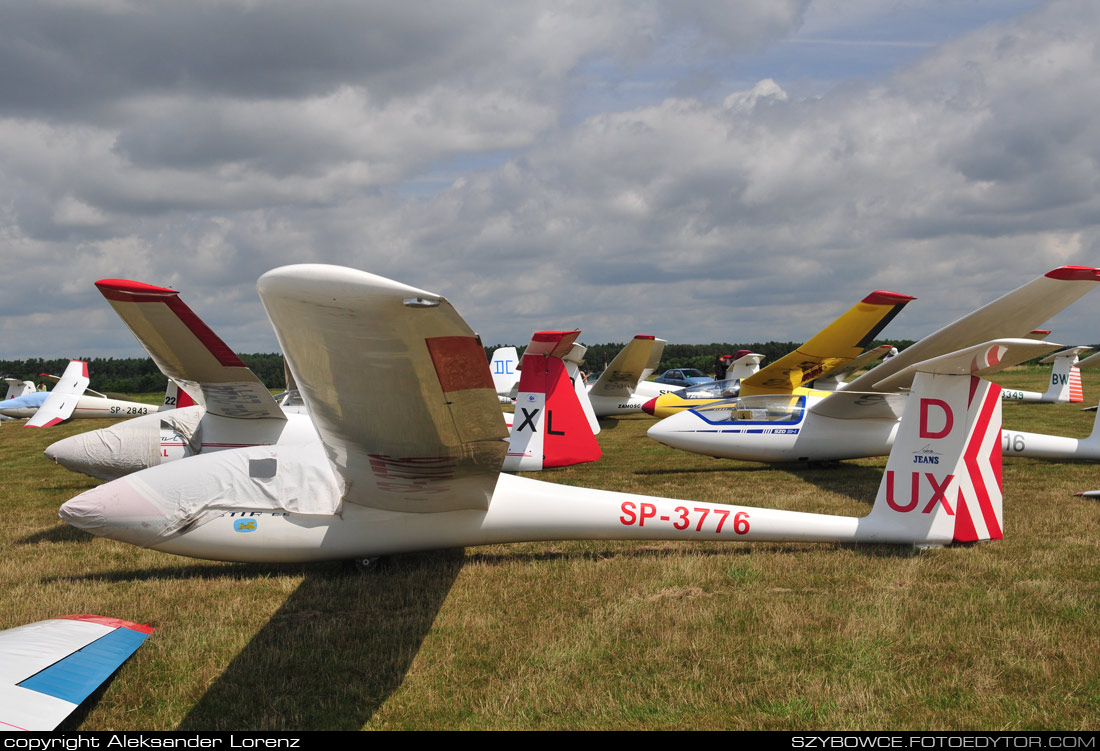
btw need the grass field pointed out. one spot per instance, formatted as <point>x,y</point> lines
<point>602,635</point>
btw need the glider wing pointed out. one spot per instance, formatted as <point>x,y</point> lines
<point>186,350</point>
<point>833,347</point>
<point>61,402</point>
<point>634,361</point>
<point>397,386</point>
<point>48,668</point>
<point>1013,315</point>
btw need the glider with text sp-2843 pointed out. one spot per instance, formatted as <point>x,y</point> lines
<point>70,399</point>
<point>861,420</point>
<point>412,461</point>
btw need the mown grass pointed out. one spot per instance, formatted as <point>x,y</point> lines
<point>578,635</point>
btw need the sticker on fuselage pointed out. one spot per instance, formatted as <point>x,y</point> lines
<point>245,525</point>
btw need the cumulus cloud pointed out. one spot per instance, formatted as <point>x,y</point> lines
<point>199,145</point>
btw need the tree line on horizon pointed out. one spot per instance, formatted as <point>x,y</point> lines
<point>137,375</point>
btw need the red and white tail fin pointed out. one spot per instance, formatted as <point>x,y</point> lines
<point>61,402</point>
<point>550,428</point>
<point>1065,377</point>
<point>176,397</point>
<point>943,479</point>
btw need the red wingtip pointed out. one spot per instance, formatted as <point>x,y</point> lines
<point>50,424</point>
<point>644,336</point>
<point>650,406</point>
<point>1075,274</point>
<point>127,290</point>
<point>107,621</point>
<point>885,297</point>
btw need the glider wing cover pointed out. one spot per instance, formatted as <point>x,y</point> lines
<point>48,668</point>
<point>833,347</point>
<point>621,377</point>
<point>61,402</point>
<point>186,350</point>
<point>422,431</point>
<point>1015,314</point>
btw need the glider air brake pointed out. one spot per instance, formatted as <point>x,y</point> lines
<point>48,668</point>
<point>70,399</point>
<point>413,462</point>
<point>862,419</point>
<point>834,348</point>
<point>238,411</point>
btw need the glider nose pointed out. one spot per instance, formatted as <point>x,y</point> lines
<point>650,406</point>
<point>110,453</point>
<point>87,454</point>
<point>117,510</point>
<point>677,431</point>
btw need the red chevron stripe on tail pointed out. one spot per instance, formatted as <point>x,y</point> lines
<point>1076,394</point>
<point>979,513</point>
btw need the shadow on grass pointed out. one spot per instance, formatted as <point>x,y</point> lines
<point>60,533</point>
<point>334,652</point>
<point>493,559</point>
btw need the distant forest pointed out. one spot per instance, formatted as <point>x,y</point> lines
<point>136,375</point>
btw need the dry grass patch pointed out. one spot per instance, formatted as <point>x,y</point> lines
<point>592,634</point>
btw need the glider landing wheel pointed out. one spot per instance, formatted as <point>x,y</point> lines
<point>370,565</point>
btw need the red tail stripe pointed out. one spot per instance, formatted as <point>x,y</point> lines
<point>964,525</point>
<point>970,457</point>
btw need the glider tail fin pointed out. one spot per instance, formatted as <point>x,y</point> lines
<point>17,388</point>
<point>176,397</point>
<point>1065,378</point>
<point>551,427</point>
<point>503,367</point>
<point>943,479</point>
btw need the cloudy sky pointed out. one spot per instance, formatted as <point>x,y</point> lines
<point>698,170</point>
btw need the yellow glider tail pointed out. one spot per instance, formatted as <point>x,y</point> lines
<point>833,347</point>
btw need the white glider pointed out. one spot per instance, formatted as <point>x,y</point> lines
<point>48,668</point>
<point>412,462</point>
<point>861,420</point>
<point>238,411</point>
<point>234,410</point>
<point>70,399</point>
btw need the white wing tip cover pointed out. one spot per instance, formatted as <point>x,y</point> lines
<point>331,279</point>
